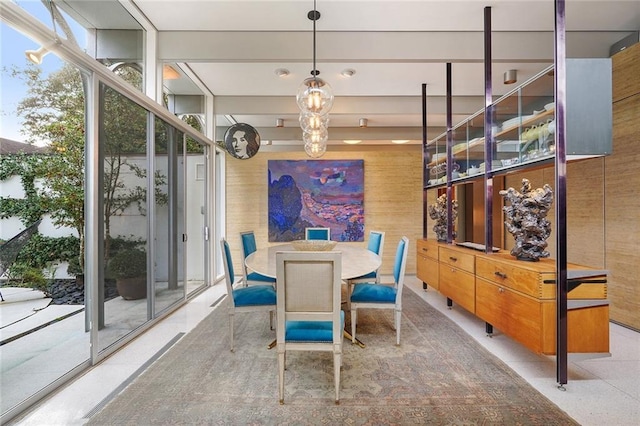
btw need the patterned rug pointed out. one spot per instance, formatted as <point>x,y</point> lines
<point>438,376</point>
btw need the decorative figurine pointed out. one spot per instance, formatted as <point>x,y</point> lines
<point>438,212</point>
<point>527,220</point>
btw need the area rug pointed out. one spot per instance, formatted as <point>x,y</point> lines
<point>437,376</point>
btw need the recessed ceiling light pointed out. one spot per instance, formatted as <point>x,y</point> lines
<point>351,141</point>
<point>282,72</point>
<point>348,72</point>
<point>400,141</point>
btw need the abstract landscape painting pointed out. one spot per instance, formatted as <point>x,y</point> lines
<point>316,193</point>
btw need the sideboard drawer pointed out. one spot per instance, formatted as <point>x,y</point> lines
<point>458,259</point>
<point>509,275</point>
<point>427,271</point>
<point>512,313</point>
<point>428,248</point>
<point>458,286</point>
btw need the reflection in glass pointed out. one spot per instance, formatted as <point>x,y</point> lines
<point>123,143</point>
<point>168,285</point>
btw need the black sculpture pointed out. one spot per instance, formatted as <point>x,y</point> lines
<point>438,212</point>
<point>527,220</point>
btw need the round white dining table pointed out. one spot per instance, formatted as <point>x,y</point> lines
<point>356,261</point>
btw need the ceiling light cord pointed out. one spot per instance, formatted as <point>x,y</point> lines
<point>314,15</point>
<point>315,99</point>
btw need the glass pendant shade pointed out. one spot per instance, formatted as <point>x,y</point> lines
<point>316,136</point>
<point>315,150</point>
<point>315,95</point>
<point>311,121</point>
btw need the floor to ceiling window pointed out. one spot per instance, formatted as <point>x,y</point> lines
<point>41,182</point>
<point>152,205</point>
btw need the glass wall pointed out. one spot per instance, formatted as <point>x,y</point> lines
<point>195,190</point>
<point>169,214</point>
<point>150,187</point>
<point>41,183</point>
<point>123,146</point>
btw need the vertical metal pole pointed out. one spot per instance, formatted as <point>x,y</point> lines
<point>94,236</point>
<point>488,133</point>
<point>151,215</point>
<point>424,160</point>
<point>449,159</point>
<point>172,206</point>
<point>561,192</point>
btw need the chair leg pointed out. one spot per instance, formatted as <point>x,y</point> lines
<point>336,374</point>
<point>281,376</point>
<point>398,317</point>
<point>354,315</point>
<point>348,294</point>
<point>231,331</point>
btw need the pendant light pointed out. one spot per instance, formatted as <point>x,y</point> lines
<point>315,99</point>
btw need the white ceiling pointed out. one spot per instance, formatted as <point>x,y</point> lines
<point>234,48</point>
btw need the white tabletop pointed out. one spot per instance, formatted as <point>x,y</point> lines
<point>356,261</point>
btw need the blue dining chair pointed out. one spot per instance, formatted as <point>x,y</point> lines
<point>309,317</point>
<point>317,233</point>
<point>249,246</point>
<point>244,299</point>
<point>375,245</point>
<point>381,295</point>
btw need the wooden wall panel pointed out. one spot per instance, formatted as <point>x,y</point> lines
<point>585,212</point>
<point>622,206</point>
<point>393,198</point>
<point>626,78</point>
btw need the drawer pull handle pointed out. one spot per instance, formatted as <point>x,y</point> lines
<point>500,290</point>
<point>501,275</point>
<point>424,249</point>
<point>454,259</point>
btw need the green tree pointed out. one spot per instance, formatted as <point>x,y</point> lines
<point>53,111</point>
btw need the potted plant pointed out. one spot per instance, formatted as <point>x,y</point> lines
<point>129,268</point>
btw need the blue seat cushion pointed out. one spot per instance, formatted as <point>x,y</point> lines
<point>254,276</point>
<point>254,296</point>
<point>375,293</point>
<point>311,331</point>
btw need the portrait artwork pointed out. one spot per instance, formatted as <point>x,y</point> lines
<point>242,141</point>
<point>316,193</point>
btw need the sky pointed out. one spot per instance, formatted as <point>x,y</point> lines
<point>12,47</point>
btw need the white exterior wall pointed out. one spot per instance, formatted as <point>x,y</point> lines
<point>131,224</point>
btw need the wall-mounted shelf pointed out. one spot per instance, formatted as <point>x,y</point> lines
<point>524,126</point>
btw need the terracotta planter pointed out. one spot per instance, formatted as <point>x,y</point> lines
<point>132,288</point>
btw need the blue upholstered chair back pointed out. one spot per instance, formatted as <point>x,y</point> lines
<point>248,243</point>
<point>401,260</point>
<point>375,239</point>
<point>398,271</point>
<point>375,242</point>
<point>228,266</point>
<point>317,233</point>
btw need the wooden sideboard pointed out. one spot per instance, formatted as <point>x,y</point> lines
<point>518,297</point>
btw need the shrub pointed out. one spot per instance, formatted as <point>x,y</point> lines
<point>128,263</point>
